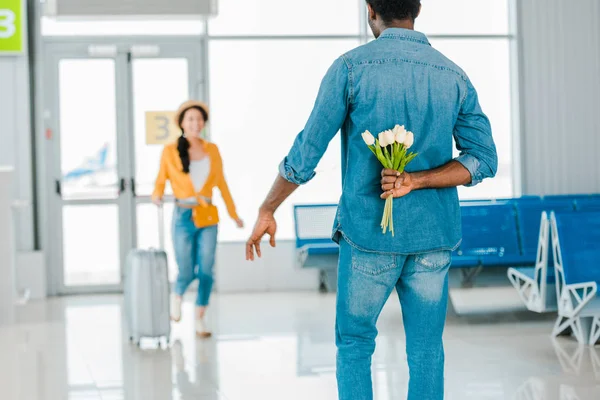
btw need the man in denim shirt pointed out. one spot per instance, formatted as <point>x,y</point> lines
<point>397,79</point>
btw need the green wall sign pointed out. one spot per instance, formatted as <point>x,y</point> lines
<point>12,26</point>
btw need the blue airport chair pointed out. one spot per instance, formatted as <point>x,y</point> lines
<point>575,243</point>
<point>315,249</point>
<point>490,233</point>
<point>490,239</point>
<point>536,284</point>
<point>588,203</point>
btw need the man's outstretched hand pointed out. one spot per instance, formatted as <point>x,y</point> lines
<point>265,224</point>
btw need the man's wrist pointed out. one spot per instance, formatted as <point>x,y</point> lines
<point>266,209</point>
<point>418,180</point>
<point>452,174</point>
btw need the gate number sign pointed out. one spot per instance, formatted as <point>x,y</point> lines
<point>160,128</point>
<point>11,27</point>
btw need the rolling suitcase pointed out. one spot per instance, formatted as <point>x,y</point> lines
<point>147,291</point>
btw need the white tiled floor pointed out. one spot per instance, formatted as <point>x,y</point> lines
<point>275,347</point>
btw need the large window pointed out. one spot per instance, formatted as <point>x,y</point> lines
<point>487,63</point>
<point>266,59</point>
<point>464,17</point>
<point>277,17</point>
<point>263,86</point>
<point>259,106</point>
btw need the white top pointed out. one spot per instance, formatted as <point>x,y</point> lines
<point>199,171</point>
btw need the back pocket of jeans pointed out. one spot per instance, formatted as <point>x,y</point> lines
<point>372,263</point>
<point>433,261</point>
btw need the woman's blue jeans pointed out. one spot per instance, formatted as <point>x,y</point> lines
<point>195,250</point>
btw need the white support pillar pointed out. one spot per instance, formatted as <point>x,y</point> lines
<point>8,295</point>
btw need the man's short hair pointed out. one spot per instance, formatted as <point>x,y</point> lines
<point>390,10</point>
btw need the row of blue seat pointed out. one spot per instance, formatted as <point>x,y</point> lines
<point>516,233</point>
<point>499,233</point>
<point>496,233</point>
<point>567,283</point>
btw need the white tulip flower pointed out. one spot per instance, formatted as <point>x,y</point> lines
<point>410,140</point>
<point>389,137</point>
<point>400,133</point>
<point>382,139</point>
<point>368,138</point>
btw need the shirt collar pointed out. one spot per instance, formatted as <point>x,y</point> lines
<point>404,34</point>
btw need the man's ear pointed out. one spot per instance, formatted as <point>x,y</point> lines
<point>372,14</point>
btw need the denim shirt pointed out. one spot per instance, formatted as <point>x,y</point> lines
<point>397,79</point>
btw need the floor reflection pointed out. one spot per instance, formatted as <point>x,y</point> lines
<point>273,347</point>
<point>194,380</point>
<point>580,378</point>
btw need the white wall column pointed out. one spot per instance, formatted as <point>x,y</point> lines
<point>7,249</point>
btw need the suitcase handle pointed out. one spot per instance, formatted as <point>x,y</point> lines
<point>161,227</point>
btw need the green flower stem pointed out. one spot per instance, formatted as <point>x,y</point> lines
<point>395,157</point>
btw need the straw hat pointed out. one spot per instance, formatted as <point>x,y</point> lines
<point>186,106</point>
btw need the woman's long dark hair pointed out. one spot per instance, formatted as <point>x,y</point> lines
<point>183,145</point>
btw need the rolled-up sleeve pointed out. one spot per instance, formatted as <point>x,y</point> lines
<point>326,119</point>
<point>473,136</point>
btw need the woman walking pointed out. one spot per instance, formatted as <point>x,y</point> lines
<point>194,167</point>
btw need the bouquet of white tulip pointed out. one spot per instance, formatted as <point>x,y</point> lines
<point>392,151</point>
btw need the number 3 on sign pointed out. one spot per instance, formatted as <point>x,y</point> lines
<point>7,24</point>
<point>160,128</point>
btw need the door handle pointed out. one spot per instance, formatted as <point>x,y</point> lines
<point>132,182</point>
<point>57,187</point>
<point>122,186</point>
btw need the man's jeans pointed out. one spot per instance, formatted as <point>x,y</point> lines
<point>365,281</point>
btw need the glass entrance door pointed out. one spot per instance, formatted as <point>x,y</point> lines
<point>103,156</point>
<point>152,99</point>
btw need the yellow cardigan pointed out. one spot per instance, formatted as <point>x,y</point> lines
<point>183,188</point>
